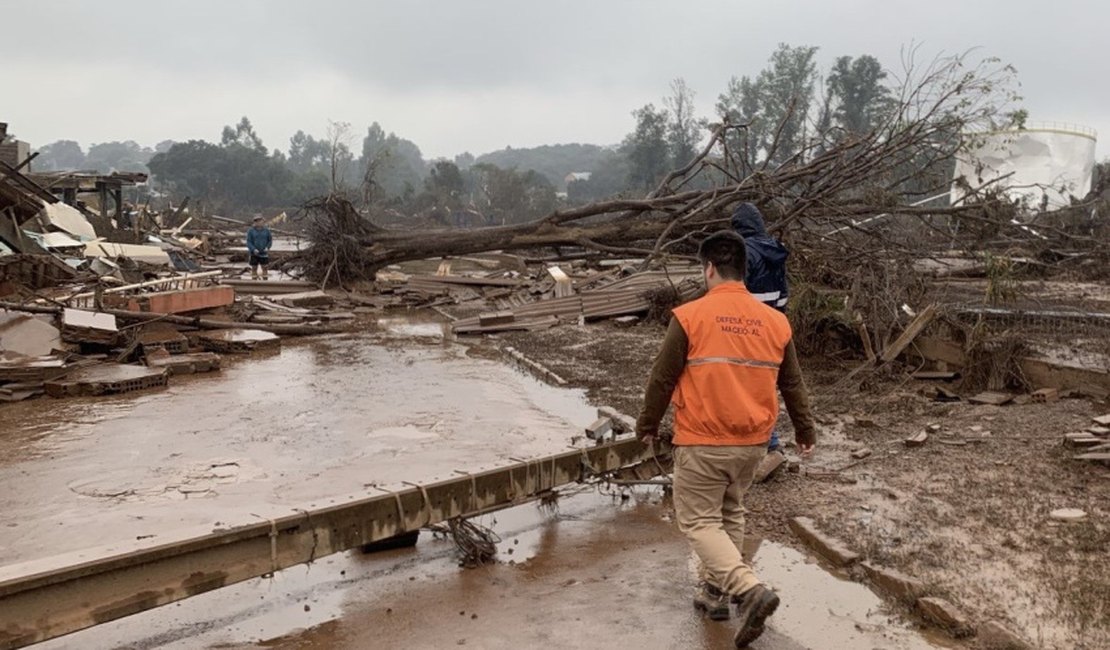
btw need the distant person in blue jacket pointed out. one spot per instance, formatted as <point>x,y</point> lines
<point>259,242</point>
<point>766,275</point>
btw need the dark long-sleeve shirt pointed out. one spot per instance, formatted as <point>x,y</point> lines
<point>671,363</point>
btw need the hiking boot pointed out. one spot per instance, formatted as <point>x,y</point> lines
<point>752,609</point>
<point>712,601</point>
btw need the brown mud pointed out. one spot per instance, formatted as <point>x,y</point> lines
<point>596,571</point>
<point>968,513</point>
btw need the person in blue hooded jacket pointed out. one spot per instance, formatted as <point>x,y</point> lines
<point>766,274</point>
<point>259,242</point>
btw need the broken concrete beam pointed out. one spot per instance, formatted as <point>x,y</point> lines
<point>895,584</point>
<point>496,318</point>
<point>946,615</point>
<point>305,299</point>
<point>107,379</point>
<point>185,364</point>
<point>237,340</point>
<point>993,635</point>
<point>1102,420</point>
<point>992,398</point>
<point>861,453</point>
<point>1098,431</point>
<point>828,547</point>
<point>181,302</point>
<point>1045,395</point>
<point>600,429</point>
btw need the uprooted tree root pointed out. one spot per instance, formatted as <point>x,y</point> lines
<point>334,230</point>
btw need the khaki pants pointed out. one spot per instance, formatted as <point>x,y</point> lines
<point>709,487</point>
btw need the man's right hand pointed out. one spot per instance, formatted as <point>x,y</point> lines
<point>805,450</point>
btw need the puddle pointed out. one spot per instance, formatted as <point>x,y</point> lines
<point>409,326</point>
<point>239,335</point>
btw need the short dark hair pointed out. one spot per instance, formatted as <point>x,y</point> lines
<point>725,249</point>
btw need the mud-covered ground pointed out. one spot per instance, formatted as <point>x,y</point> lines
<point>968,512</point>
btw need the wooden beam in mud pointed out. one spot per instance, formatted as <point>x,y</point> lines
<point>49,598</point>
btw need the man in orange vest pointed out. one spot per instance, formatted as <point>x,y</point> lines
<point>723,357</point>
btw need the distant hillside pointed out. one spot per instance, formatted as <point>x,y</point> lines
<point>553,161</point>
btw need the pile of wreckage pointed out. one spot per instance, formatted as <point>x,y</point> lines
<point>99,298</point>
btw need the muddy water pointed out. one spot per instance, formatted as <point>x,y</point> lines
<point>316,422</point>
<point>598,571</point>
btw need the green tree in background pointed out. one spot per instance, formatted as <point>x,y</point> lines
<point>776,104</point>
<point>60,155</point>
<point>856,98</point>
<point>242,134</point>
<point>646,147</point>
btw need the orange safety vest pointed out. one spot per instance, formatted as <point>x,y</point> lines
<point>727,394</point>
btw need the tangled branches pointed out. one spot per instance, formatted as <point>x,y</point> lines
<point>334,231</point>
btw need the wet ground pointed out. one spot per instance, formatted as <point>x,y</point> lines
<point>328,418</point>
<point>317,421</point>
<point>598,571</point>
<point>968,513</point>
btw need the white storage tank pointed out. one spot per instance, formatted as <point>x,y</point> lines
<point>1047,162</point>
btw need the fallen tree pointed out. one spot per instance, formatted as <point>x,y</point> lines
<point>815,199</point>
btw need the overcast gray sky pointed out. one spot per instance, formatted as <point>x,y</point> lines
<point>477,75</point>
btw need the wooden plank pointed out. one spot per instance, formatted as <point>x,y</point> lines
<point>919,323</point>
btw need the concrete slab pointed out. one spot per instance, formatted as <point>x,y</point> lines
<point>27,336</point>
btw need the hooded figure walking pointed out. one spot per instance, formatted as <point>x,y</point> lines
<point>766,274</point>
